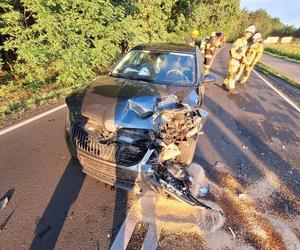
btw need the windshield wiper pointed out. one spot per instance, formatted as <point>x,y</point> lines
<point>139,78</point>
<point>129,77</point>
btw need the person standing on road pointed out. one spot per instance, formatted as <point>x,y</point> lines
<point>237,54</point>
<point>209,52</point>
<point>253,54</point>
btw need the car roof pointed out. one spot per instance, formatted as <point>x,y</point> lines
<point>170,47</point>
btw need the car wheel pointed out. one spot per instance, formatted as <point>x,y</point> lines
<point>187,151</point>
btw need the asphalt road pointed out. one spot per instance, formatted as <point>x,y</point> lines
<point>285,67</point>
<point>256,133</point>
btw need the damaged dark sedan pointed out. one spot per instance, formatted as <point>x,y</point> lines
<point>141,122</point>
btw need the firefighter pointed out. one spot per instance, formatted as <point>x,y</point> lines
<point>253,54</point>
<point>192,39</point>
<point>237,54</point>
<point>209,52</point>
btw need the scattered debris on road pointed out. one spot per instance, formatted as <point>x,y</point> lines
<point>232,232</point>
<point>2,225</point>
<point>3,203</point>
<point>6,198</point>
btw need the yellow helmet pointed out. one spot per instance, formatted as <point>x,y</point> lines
<point>195,33</point>
<point>213,34</point>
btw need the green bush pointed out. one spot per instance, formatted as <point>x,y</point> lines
<point>49,47</point>
<point>65,42</point>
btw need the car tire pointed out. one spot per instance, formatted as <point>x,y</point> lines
<point>187,149</point>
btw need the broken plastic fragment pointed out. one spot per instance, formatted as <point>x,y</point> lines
<point>125,138</point>
<point>231,231</point>
<point>168,102</point>
<point>175,170</point>
<point>3,203</point>
<point>203,191</point>
<point>169,152</point>
<point>142,106</point>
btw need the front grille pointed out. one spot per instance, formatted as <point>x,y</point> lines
<point>90,145</point>
<point>119,153</point>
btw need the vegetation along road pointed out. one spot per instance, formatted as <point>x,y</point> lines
<point>255,133</point>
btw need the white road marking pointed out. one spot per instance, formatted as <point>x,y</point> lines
<point>23,123</point>
<point>151,238</point>
<point>289,101</point>
<point>125,232</point>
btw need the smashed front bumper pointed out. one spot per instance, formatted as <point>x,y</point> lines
<point>125,177</point>
<point>130,158</point>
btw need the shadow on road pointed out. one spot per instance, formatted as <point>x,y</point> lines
<point>50,224</point>
<point>120,212</point>
<point>257,144</point>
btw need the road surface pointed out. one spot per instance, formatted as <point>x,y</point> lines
<point>256,133</point>
<point>285,67</point>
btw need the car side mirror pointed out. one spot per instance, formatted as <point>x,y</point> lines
<point>209,79</point>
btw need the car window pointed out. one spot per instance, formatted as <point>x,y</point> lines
<point>158,67</point>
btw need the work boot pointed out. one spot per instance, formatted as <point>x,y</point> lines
<point>225,86</point>
<point>206,71</point>
<point>232,91</point>
<point>243,82</point>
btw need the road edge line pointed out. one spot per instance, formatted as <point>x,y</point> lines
<point>151,238</point>
<point>32,119</point>
<point>125,232</point>
<point>265,69</point>
<point>278,92</point>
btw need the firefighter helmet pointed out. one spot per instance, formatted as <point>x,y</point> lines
<point>251,29</point>
<point>257,37</point>
<point>195,33</point>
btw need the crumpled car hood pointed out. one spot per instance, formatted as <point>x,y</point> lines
<point>120,103</point>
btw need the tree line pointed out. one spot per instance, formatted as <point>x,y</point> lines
<point>267,25</point>
<point>70,41</point>
<point>67,41</point>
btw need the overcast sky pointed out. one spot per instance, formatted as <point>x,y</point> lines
<point>287,10</point>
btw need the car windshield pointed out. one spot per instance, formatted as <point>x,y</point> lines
<point>157,67</point>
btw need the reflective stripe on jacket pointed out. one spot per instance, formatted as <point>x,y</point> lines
<point>239,48</point>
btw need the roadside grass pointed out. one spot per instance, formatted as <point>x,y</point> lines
<point>286,51</point>
<point>16,98</point>
<point>269,70</point>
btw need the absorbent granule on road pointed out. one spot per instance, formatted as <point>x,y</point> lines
<point>172,215</point>
<point>223,239</point>
<point>175,240</point>
<point>253,227</point>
